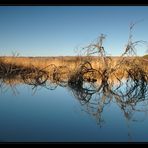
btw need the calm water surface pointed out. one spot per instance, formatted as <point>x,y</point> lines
<point>59,116</point>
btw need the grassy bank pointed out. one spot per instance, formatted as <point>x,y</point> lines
<point>65,68</point>
<point>71,62</point>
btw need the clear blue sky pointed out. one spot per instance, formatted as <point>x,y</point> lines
<point>58,30</point>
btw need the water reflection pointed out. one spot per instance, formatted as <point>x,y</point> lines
<point>94,100</point>
<point>93,91</point>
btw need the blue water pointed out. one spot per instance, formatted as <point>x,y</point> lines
<point>58,116</point>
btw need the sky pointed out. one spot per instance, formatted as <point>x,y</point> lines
<point>60,30</point>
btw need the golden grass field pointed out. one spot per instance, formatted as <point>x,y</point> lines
<point>71,62</point>
<point>14,66</point>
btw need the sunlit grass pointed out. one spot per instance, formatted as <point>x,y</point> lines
<point>67,67</point>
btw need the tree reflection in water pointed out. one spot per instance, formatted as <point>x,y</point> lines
<point>92,88</point>
<point>93,91</point>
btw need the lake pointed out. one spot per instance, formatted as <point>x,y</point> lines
<point>73,113</point>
